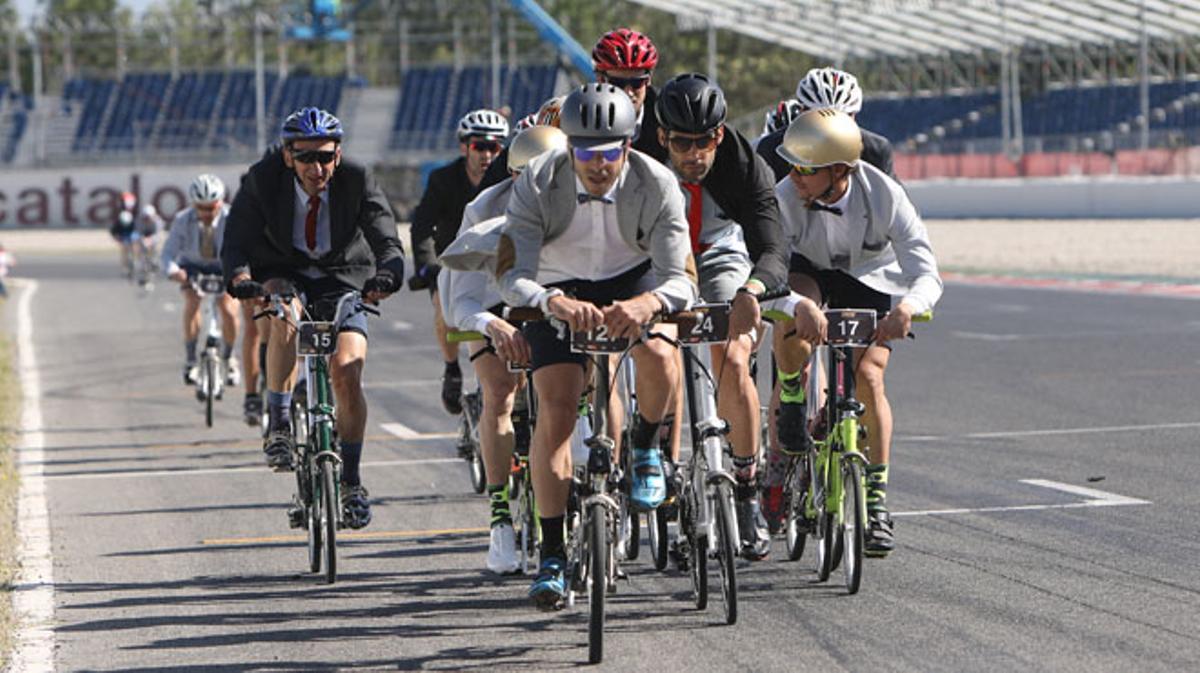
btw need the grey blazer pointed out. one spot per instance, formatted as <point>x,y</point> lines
<point>649,214</point>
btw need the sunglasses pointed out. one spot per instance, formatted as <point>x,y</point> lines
<point>587,155</point>
<point>485,146</point>
<point>627,82</point>
<point>314,156</point>
<point>683,143</point>
<point>805,170</point>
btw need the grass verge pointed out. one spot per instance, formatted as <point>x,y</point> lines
<point>10,409</point>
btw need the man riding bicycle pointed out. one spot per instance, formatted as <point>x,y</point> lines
<point>857,242</point>
<point>739,251</point>
<point>471,301</point>
<point>597,225</point>
<point>307,219</point>
<point>194,246</point>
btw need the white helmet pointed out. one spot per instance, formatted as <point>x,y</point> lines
<point>206,188</point>
<point>149,211</point>
<point>482,122</point>
<point>824,88</point>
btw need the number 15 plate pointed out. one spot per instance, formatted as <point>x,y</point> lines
<point>316,338</point>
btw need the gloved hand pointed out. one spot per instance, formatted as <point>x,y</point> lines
<point>247,289</point>
<point>381,285</point>
<point>424,277</point>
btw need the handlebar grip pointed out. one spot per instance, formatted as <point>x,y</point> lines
<point>461,336</point>
<point>523,314</point>
<point>927,316</point>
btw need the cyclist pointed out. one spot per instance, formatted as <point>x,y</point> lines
<point>436,220</point>
<point>471,301</point>
<point>124,230</point>
<point>194,246</point>
<point>626,59</point>
<point>824,88</point>
<point>739,251</point>
<point>605,224</point>
<point>306,217</point>
<point>546,115</point>
<point>779,117</point>
<point>857,242</point>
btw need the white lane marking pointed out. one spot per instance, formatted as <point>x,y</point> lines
<point>404,432</point>
<point>1058,431</point>
<point>33,596</point>
<point>401,325</point>
<point>407,383</point>
<point>187,472</point>
<point>1097,498</point>
<point>983,336</point>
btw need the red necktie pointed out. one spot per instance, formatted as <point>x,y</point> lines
<point>310,222</point>
<point>695,214</point>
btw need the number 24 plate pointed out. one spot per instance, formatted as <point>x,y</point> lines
<point>316,338</point>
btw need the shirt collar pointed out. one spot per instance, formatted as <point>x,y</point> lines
<point>611,194</point>
<point>303,195</point>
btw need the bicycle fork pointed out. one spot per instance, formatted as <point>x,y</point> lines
<point>708,432</point>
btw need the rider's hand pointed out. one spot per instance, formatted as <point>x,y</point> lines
<point>745,316</point>
<point>811,324</point>
<point>178,275</point>
<point>626,318</point>
<point>380,286</point>
<point>580,316</point>
<point>243,287</point>
<point>895,325</point>
<point>508,341</point>
<point>424,277</point>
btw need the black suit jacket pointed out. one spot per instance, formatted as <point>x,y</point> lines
<point>438,216</point>
<point>877,151</point>
<point>258,231</point>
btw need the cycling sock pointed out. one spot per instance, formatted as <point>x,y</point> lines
<point>664,436</point>
<point>189,347</point>
<point>452,368</point>
<point>877,477</point>
<point>790,390</point>
<point>279,408</point>
<point>552,538</point>
<point>498,495</point>
<point>643,433</point>
<point>226,351</point>
<point>743,468</point>
<point>351,455</point>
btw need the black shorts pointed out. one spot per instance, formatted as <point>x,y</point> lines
<point>841,290</point>
<point>551,347</point>
<point>321,297</point>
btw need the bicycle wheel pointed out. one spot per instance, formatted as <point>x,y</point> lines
<point>527,517</point>
<point>824,530</point>
<point>478,474</point>
<point>698,555</point>
<point>210,389</point>
<point>307,487</point>
<point>727,550</point>
<point>797,526</point>
<point>854,514</point>
<point>329,504</point>
<point>656,529</point>
<point>597,573</point>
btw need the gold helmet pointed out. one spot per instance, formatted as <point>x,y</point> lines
<point>822,138</point>
<point>531,142</point>
<point>547,115</point>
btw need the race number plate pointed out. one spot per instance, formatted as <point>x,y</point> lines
<point>316,338</point>
<point>597,341</point>
<point>211,284</point>
<point>711,325</point>
<point>850,327</point>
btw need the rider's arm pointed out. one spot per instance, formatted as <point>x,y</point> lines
<point>915,255</point>
<point>671,249</point>
<point>173,247</point>
<point>520,246</point>
<point>246,222</point>
<point>760,221</point>
<point>462,293</point>
<point>378,225</point>
<point>424,222</point>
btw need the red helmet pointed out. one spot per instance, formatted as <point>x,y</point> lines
<point>624,49</point>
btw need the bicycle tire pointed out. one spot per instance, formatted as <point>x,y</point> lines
<point>598,550</point>
<point>529,524</point>
<point>306,484</point>
<point>854,515</point>
<point>727,551</point>
<point>796,493</point>
<point>329,504</point>
<point>478,473</point>
<point>210,389</point>
<point>656,530</point>
<point>824,527</point>
<point>699,568</point>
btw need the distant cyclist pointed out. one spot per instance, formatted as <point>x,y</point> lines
<point>779,117</point>
<point>308,218</point>
<point>857,242</point>
<point>124,230</point>
<point>626,59</point>
<point>823,89</point>
<point>471,301</point>
<point>595,235</point>
<point>194,246</point>
<point>436,220</point>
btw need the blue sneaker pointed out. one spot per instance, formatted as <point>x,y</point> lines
<point>647,489</point>
<point>549,589</point>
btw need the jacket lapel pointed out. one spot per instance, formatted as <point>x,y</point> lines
<point>282,227</point>
<point>631,200</point>
<point>562,196</point>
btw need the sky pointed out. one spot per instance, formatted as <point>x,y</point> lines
<point>25,8</point>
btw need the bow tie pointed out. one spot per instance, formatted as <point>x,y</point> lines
<point>818,206</point>
<point>584,198</point>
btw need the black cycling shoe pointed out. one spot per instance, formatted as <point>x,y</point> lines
<point>279,449</point>
<point>880,539</point>
<point>356,510</point>
<point>752,525</point>
<point>452,392</point>
<point>791,423</point>
<point>252,409</point>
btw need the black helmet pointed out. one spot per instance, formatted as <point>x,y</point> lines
<point>690,103</point>
<point>597,114</point>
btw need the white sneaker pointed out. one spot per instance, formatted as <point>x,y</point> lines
<point>233,373</point>
<point>502,551</point>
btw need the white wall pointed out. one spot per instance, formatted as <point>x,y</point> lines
<point>1116,197</point>
<point>88,197</point>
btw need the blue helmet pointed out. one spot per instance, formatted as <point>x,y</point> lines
<point>311,123</point>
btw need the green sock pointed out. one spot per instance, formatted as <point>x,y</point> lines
<point>498,496</point>
<point>877,477</point>
<point>790,390</point>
